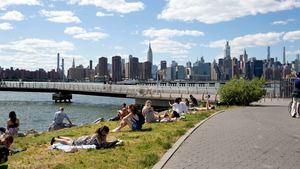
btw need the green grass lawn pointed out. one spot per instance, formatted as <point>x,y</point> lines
<point>142,149</point>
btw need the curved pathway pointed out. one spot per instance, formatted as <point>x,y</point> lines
<point>260,137</point>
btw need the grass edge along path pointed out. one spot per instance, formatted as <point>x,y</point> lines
<point>142,149</point>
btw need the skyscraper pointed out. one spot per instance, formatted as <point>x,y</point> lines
<point>163,65</point>
<point>227,50</point>
<point>91,65</point>
<point>149,54</point>
<point>283,56</point>
<point>116,69</point>
<point>269,54</point>
<point>133,71</point>
<point>63,68</point>
<point>103,71</point>
<point>73,64</point>
<point>57,69</point>
<point>227,67</point>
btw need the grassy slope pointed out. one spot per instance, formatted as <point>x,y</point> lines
<point>142,149</point>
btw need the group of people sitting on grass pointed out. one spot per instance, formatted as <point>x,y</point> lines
<point>129,116</point>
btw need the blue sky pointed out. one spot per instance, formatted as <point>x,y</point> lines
<point>33,31</point>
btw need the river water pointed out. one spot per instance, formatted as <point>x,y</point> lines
<point>36,110</point>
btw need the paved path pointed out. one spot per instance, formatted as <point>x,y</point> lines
<point>246,138</point>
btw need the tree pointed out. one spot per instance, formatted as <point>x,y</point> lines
<point>242,91</point>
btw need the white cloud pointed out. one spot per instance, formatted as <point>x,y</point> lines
<point>81,33</point>
<point>37,53</point>
<point>161,41</point>
<point>74,30</point>
<point>248,41</point>
<point>210,12</point>
<point>60,16</point>
<point>101,14</point>
<point>152,33</point>
<point>251,40</point>
<point>284,22</point>
<point>6,26</point>
<point>293,53</point>
<point>13,16</point>
<point>292,36</point>
<point>167,46</point>
<point>5,3</point>
<point>120,6</point>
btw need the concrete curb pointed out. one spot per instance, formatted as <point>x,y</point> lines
<point>166,157</point>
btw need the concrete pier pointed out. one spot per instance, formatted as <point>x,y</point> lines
<point>62,97</point>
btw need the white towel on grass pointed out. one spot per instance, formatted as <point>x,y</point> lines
<point>71,148</point>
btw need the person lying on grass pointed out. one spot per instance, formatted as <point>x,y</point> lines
<point>98,139</point>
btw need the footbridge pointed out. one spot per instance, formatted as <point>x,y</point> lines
<point>159,93</point>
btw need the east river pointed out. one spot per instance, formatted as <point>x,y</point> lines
<point>36,110</point>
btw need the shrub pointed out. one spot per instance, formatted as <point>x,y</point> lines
<point>242,91</point>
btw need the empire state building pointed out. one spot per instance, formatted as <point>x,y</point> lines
<point>150,55</point>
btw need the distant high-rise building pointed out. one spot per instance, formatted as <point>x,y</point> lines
<point>150,54</point>
<point>73,64</point>
<point>91,65</point>
<point>188,64</point>
<point>201,71</point>
<point>180,72</point>
<point>215,71</point>
<point>227,50</point>
<point>269,53</point>
<point>174,64</point>
<point>283,56</point>
<point>116,69</point>
<point>202,59</point>
<point>163,65</point>
<point>188,70</point>
<point>133,71</point>
<point>145,70</point>
<point>58,59</point>
<point>227,67</point>
<point>235,68</point>
<point>63,68</point>
<point>123,67</point>
<point>103,71</point>
<point>243,61</point>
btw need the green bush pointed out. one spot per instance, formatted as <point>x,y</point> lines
<point>242,91</point>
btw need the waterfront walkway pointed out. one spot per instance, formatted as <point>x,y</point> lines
<point>257,137</point>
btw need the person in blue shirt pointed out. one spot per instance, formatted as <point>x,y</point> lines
<point>58,121</point>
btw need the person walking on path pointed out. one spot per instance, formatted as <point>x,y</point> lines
<point>296,97</point>
<point>58,121</point>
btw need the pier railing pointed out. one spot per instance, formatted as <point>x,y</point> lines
<point>130,90</point>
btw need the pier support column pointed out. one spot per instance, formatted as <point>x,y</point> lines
<point>62,97</point>
<point>159,103</point>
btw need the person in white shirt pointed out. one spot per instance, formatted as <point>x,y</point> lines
<point>176,108</point>
<point>183,108</point>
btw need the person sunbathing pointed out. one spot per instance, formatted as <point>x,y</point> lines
<point>98,139</point>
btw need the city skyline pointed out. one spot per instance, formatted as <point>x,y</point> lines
<point>34,31</point>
